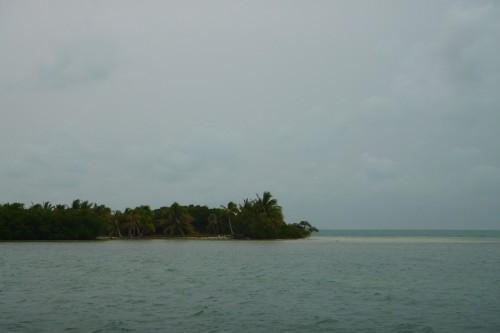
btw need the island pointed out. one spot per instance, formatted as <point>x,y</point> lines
<point>259,218</point>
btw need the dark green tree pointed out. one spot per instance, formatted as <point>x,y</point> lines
<point>179,221</point>
<point>229,213</point>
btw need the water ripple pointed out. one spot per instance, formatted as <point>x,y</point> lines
<point>304,286</point>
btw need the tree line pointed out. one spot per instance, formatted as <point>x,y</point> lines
<point>259,218</point>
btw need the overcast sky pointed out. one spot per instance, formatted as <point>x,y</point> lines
<point>353,114</point>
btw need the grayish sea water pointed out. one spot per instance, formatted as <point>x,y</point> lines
<point>332,282</point>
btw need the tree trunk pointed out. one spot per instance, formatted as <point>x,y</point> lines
<point>230,226</point>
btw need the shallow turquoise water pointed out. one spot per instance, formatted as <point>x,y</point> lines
<point>322,284</point>
<point>409,233</point>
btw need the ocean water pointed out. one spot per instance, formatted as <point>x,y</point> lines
<point>335,281</point>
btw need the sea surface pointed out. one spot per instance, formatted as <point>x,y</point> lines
<point>335,281</point>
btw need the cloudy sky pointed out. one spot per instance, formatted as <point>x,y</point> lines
<point>354,114</point>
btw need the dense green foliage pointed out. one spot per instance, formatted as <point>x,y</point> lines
<point>261,218</point>
<point>47,222</point>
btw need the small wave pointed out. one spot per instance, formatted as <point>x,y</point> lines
<point>198,313</point>
<point>412,328</point>
<point>113,326</point>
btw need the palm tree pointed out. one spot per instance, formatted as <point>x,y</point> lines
<point>76,204</point>
<point>35,206</point>
<point>61,207</point>
<point>114,226</point>
<point>145,220</point>
<point>130,216</point>
<point>212,222</point>
<point>270,206</point>
<point>85,205</point>
<point>48,206</point>
<point>230,211</point>
<point>140,220</point>
<point>179,221</point>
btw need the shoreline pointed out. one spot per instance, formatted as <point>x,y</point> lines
<point>221,237</point>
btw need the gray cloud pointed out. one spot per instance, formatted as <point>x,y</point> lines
<point>352,115</point>
<point>76,64</point>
